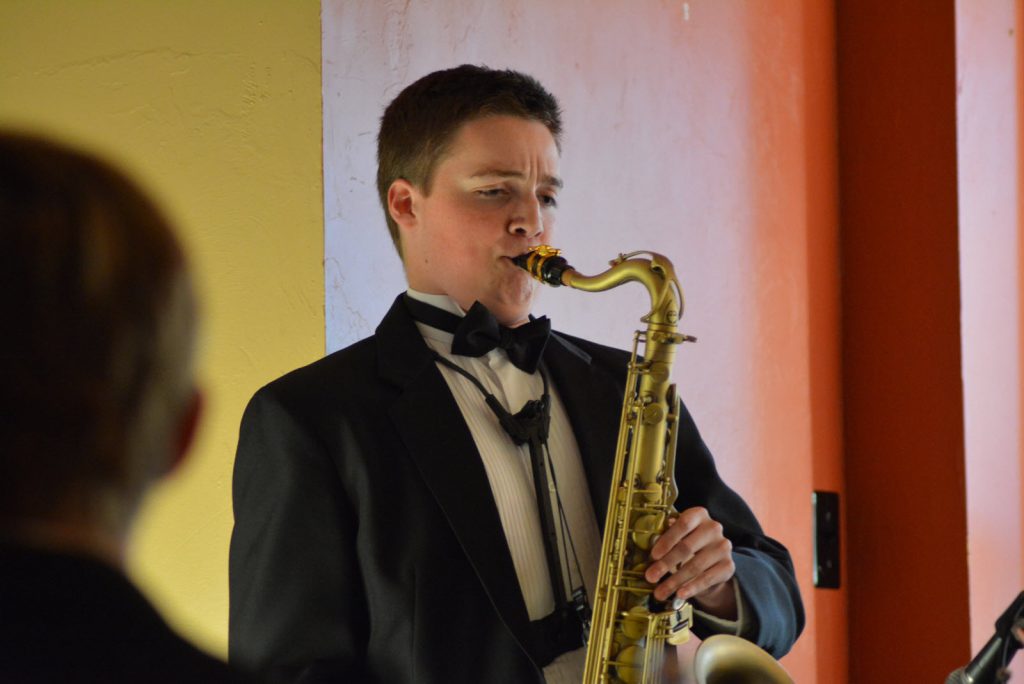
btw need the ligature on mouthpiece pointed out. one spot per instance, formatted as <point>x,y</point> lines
<point>544,264</point>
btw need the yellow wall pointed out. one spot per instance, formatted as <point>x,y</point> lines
<point>216,107</point>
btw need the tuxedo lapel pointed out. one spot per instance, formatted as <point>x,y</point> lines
<point>431,426</point>
<point>592,397</point>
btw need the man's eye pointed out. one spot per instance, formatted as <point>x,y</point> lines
<point>491,192</point>
<point>549,201</point>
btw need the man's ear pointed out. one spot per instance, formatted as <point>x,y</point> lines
<point>402,196</point>
<point>185,434</point>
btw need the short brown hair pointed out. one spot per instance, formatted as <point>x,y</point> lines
<point>419,124</point>
<point>95,358</point>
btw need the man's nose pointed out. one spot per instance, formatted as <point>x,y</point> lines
<point>527,221</point>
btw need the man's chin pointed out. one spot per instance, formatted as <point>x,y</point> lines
<point>512,301</point>
<point>511,314</point>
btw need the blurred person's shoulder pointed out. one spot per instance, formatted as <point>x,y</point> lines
<point>66,617</point>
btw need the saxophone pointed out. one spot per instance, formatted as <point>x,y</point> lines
<point>630,629</point>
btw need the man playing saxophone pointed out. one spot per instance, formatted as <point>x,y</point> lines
<point>398,517</point>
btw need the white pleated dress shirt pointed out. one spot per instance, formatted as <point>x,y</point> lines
<point>511,476</point>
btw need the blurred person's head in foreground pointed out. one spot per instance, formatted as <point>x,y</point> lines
<point>97,391</point>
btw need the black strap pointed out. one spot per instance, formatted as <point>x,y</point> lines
<point>568,626</point>
<point>530,426</point>
<point>555,634</point>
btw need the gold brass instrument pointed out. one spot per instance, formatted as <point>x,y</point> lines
<point>630,628</point>
<point>725,659</point>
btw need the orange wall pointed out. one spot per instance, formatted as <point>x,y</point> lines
<point>903,409</point>
<point>824,360</point>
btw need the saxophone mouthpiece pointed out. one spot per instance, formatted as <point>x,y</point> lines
<point>544,264</point>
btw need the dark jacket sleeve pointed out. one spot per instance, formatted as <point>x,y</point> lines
<point>297,605</point>
<point>764,569</point>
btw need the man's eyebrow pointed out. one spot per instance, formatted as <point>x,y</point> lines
<point>553,181</point>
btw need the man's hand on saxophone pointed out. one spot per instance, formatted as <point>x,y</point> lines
<point>693,560</point>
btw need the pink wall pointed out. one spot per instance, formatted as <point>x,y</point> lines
<point>989,158</point>
<point>703,130</point>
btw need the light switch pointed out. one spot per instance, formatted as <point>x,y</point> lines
<point>826,539</point>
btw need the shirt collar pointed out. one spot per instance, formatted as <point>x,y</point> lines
<point>443,302</point>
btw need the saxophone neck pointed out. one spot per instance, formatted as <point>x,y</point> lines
<point>654,271</point>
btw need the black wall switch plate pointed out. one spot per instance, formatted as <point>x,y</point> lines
<point>826,539</point>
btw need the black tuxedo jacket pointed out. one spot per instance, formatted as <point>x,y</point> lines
<point>367,545</point>
<point>68,618</point>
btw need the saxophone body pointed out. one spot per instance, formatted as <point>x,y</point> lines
<point>630,629</point>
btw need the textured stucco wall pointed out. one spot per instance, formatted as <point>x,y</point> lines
<point>216,107</point>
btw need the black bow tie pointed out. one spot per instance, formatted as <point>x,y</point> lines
<point>478,332</point>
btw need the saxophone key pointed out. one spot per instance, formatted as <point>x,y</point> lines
<point>629,664</point>
<point>645,529</point>
<point>634,622</point>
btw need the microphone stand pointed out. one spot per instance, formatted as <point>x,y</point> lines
<point>989,666</point>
